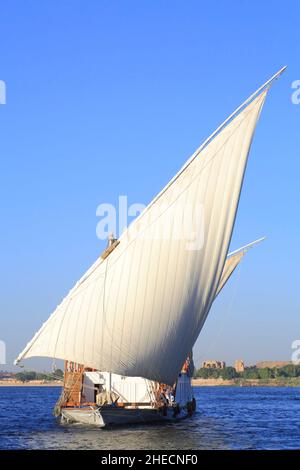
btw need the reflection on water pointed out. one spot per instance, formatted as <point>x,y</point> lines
<point>227,418</point>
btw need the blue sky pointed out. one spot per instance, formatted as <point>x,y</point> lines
<point>106,98</point>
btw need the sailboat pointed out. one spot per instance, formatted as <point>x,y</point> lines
<point>126,330</point>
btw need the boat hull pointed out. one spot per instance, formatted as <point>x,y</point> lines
<point>116,416</point>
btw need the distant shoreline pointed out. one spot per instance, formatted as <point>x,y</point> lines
<point>278,382</point>
<point>33,383</point>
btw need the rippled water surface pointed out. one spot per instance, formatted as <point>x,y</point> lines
<point>226,418</point>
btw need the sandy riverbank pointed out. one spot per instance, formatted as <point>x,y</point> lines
<point>33,383</point>
<point>210,382</point>
<point>282,382</point>
<point>279,382</point>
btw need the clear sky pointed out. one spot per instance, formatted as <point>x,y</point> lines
<point>106,98</point>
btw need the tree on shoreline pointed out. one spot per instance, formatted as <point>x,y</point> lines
<point>27,376</point>
<point>253,372</point>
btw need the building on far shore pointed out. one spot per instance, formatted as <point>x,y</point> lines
<point>213,364</point>
<point>4,375</point>
<point>239,366</point>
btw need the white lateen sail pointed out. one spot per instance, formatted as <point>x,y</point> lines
<point>139,311</point>
<point>232,262</point>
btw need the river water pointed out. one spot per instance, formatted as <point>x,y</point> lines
<point>226,418</point>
